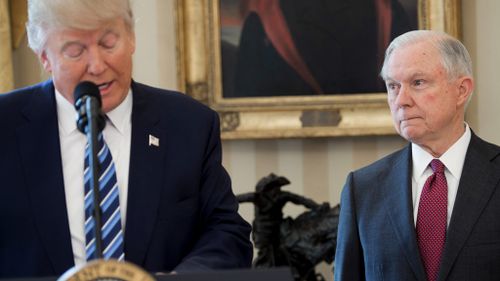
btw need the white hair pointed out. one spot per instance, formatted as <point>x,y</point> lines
<point>45,15</point>
<point>455,57</point>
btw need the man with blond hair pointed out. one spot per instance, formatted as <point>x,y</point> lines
<point>166,200</point>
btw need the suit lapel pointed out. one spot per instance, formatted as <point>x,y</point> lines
<point>477,183</point>
<point>397,190</point>
<point>145,175</point>
<point>40,152</point>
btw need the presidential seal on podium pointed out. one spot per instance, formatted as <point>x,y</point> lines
<point>108,270</point>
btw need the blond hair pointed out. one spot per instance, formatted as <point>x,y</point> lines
<point>45,15</point>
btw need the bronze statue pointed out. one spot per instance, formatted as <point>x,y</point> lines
<point>300,243</point>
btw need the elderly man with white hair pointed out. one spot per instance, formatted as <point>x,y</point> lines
<point>429,211</point>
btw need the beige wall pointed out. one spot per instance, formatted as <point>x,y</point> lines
<point>316,167</point>
<point>480,34</point>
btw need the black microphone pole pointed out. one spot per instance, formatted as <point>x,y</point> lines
<point>92,132</point>
<point>91,121</point>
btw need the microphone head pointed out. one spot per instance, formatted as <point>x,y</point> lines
<point>86,88</point>
<point>88,91</point>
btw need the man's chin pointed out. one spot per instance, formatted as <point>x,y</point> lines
<point>411,134</point>
<point>108,105</point>
<point>106,108</point>
<point>111,101</point>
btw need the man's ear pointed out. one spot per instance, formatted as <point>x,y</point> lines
<point>132,42</point>
<point>44,60</point>
<point>465,88</point>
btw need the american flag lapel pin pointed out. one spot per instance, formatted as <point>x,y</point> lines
<point>154,141</point>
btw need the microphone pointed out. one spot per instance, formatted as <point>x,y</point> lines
<point>88,105</point>
<point>90,121</point>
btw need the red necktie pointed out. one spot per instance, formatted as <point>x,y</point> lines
<point>431,219</point>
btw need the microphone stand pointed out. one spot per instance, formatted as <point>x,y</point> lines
<point>92,130</point>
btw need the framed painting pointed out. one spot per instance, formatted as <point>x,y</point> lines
<point>295,68</point>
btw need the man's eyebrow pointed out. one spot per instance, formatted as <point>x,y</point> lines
<point>408,77</point>
<point>109,31</point>
<point>69,43</point>
<point>419,73</point>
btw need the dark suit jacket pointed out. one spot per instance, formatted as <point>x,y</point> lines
<point>376,234</point>
<point>337,39</point>
<point>181,212</point>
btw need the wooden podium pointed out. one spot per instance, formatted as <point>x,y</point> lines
<point>109,273</point>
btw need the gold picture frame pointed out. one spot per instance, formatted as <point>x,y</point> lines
<point>200,76</point>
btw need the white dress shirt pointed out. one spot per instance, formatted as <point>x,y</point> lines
<point>453,160</point>
<point>117,135</point>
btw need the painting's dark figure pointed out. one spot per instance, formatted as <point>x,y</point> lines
<point>300,243</point>
<point>297,47</point>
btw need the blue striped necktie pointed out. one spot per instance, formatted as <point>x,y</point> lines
<point>111,230</point>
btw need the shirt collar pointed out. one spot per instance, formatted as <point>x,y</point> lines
<point>453,158</point>
<point>121,114</point>
<point>67,114</point>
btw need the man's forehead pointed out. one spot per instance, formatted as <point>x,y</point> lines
<point>418,49</point>
<point>413,62</point>
<point>112,25</point>
<point>66,36</point>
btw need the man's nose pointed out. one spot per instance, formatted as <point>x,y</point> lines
<point>404,97</point>
<point>96,63</point>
